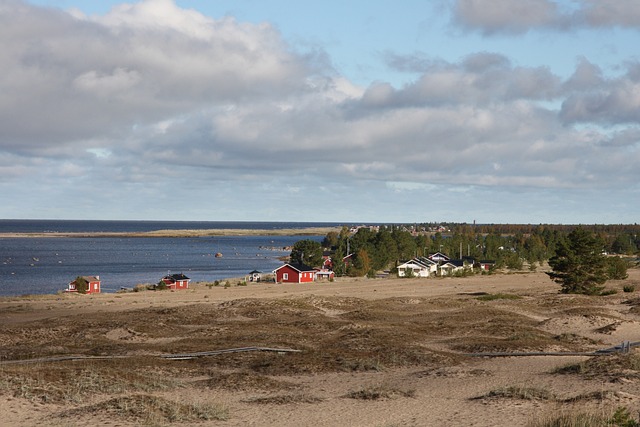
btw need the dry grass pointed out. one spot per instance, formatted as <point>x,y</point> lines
<point>521,392</point>
<point>284,399</point>
<point>152,410</point>
<point>236,381</point>
<point>335,335</point>
<point>620,417</point>
<point>72,383</point>
<point>609,368</point>
<point>380,391</point>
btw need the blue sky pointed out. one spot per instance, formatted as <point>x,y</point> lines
<point>452,110</point>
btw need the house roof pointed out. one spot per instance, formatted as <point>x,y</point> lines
<point>439,255</point>
<point>255,272</point>
<point>176,276</point>
<point>298,267</point>
<point>418,262</point>
<point>456,262</point>
<point>88,279</point>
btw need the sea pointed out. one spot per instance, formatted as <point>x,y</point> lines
<point>46,265</point>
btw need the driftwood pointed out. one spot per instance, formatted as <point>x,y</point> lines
<point>184,356</point>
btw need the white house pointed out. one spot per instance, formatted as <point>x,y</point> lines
<point>419,267</point>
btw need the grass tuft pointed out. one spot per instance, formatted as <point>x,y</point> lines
<point>285,399</point>
<point>378,392</point>
<point>518,392</point>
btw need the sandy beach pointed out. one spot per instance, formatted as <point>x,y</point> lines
<point>370,352</point>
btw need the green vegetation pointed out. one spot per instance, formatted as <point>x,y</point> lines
<point>82,286</point>
<point>579,265</point>
<point>308,252</point>
<point>369,250</point>
<point>617,268</point>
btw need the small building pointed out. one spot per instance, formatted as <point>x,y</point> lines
<point>348,260</point>
<point>176,281</point>
<point>254,276</point>
<point>485,264</point>
<point>294,273</point>
<point>325,274</point>
<point>93,285</point>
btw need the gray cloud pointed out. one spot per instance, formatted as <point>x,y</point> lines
<point>517,17</point>
<point>140,63</point>
<point>497,16</point>
<point>607,101</point>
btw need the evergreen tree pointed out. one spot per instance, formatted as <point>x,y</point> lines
<point>578,264</point>
<point>308,252</point>
<point>82,286</point>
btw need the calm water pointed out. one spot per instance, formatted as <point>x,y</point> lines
<point>46,265</point>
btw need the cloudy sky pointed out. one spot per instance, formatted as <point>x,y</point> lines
<point>522,111</point>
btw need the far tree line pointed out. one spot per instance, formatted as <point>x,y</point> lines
<point>372,251</point>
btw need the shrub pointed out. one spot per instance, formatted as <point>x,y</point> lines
<point>628,288</point>
<point>617,268</point>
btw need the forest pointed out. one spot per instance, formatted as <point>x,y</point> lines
<point>373,249</point>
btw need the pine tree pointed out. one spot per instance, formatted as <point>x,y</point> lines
<point>578,264</point>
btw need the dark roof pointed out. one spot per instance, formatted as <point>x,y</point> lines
<point>88,279</point>
<point>255,272</point>
<point>177,276</point>
<point>298,267</point>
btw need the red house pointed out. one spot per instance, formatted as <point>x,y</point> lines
<point>176,281</point>
<point>93,285</point>
<point>294,273</point>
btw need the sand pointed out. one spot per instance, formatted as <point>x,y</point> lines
<point>441,386</point>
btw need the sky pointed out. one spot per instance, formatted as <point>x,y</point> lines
<point>494,111</point>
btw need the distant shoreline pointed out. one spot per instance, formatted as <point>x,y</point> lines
<point>310,231</point>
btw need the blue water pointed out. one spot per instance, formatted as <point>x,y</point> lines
<point>82,226</point>
<point>46,265</point>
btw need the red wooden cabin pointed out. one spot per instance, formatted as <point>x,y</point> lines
<point>93,285</point>
<point>176,281</point>
<point>294,273</point>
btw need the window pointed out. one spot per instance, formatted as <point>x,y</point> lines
<point>285,276</point>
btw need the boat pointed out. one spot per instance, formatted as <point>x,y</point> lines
<point>218,254</point>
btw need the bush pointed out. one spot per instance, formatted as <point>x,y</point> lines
<point>628,288</point>
<point>617,268</point>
